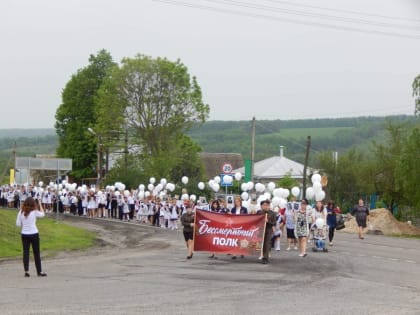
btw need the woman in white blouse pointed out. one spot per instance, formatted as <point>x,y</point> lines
<point>26,219</point>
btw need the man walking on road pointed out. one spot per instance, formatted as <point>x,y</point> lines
<point>269,225</point>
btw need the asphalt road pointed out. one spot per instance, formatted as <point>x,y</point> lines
<point>144,270</point>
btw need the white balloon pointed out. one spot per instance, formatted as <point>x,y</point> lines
<point>267,196</point>
<point>245,204</point>
<point>244,186</point>
<point>250,186</point>
<point>244,196</point>
<point>141,194</point>
<point>141,187</point>
<point>185,197</point>
<point>170,187</point>
<point>283,203</point>
<point>238,176</point>
<point>277,192</point>
<point>275,201</point>
<point>319,196</point>
<point>217,179</point>
<point>159,187</point>
<point>64,182</point>
<point>227,179</point>
<point>286,193</point>
<point>295,191</point>
<point>316,178</point>
<point>150,187</point>
<point>163,182</point>
<point>162,195</point>
<point>193,198</point>
<point>317,187</point>
<point>201,185</point>
<point>211,182</point>
<point>271,186</point>
<point>117,193</point>
<point>259,187</point>
<point>126,193</point>
<point>152,180</point>
<point>184,180</point>
<point>216,187</point>
<point>310,193</point>
<point>320,223</point>
<point>99,193</point>
<point>41,183</point>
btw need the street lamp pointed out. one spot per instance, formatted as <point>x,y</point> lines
<point>98,153</point>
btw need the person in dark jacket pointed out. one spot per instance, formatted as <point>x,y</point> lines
<point>187,221</point>
<point>270,224</point>
<point>361,212</point>
<point>331,220</point>
<point>238,208</point>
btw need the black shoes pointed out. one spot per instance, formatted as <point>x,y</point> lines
<point>41,274</point>
<point>264,261</point>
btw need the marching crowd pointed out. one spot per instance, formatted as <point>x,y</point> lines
<point>298,220</point>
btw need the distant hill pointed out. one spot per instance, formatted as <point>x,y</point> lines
<point>338,134</point>
<point>26,133</point>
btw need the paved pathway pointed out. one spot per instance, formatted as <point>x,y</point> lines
<point>145,272</point>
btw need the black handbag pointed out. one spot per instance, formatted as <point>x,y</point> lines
<point>340,223</point>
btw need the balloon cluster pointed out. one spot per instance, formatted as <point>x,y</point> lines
<point>315,192</point>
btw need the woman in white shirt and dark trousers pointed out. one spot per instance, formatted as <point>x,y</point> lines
<point>26,219</point>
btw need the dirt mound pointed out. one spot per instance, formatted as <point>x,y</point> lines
<point>381,220</point>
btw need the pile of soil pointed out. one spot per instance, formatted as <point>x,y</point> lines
<point>383,222</point>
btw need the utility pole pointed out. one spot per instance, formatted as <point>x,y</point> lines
<point>126,149</point>
<point>253,149</point>
<point>305,166</point>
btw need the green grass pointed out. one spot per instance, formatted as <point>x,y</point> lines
<point>54,237</point>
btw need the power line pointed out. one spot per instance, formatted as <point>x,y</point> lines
<point>288,20</point>
<point>311,14</point>
<point>345,11</point>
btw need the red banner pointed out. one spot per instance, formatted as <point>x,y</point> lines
<point>229,233</point>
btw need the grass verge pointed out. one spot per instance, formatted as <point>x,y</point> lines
<point>54,237</point>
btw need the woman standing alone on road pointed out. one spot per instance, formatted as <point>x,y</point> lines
<point>362,216</point>
<point>26,219</point>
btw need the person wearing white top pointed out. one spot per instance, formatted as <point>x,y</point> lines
<point>26,219</point>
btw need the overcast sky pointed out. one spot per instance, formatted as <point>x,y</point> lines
<point>269,59</point>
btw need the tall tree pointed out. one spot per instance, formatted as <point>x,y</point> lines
<point>348,178</point>
<point>387,155</point>
<point>158,101</point>
<point>77,113</point>
<point>408,169</point>
<point>416,94</point>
